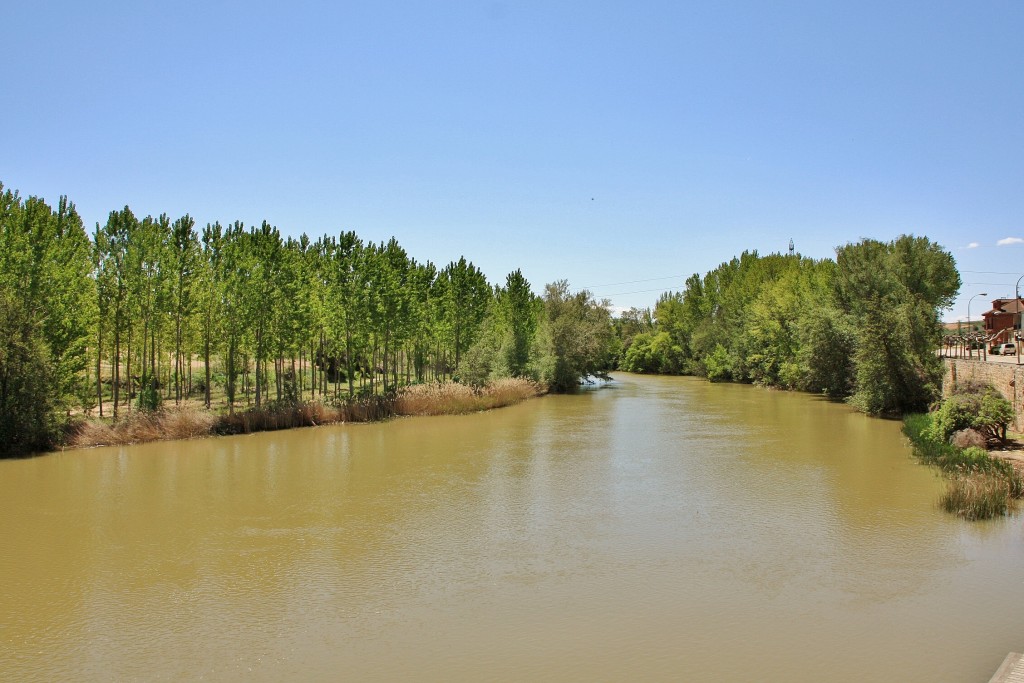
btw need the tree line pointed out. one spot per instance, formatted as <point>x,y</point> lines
<point>148,310</point>
<point>863,327</point>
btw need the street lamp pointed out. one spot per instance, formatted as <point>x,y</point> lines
<point>1016,294</point>
<point>970,351</point>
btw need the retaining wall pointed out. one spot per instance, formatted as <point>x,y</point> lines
<point>1007,378</point>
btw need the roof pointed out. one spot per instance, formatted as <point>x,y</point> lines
<point>1005,307</point>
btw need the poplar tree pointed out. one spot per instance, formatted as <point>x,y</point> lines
<point>46,319</point>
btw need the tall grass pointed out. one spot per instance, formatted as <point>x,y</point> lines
<point>450,398</point>
<point>186,423</point>
<point>980,486</point>
<point>306,414</point>
<point>977,496</point>
<point>170,423</point>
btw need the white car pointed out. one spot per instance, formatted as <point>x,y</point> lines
<point>1009,349</point>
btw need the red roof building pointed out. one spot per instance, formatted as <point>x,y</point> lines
<point>1005,315</point>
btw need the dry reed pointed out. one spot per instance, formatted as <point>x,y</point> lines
<point>450,398</point>
<point>170,423</point>
<point>446,398</point>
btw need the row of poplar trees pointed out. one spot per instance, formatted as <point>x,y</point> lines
<point>153,309</point>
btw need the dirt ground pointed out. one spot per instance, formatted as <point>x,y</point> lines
<point>1013,451</point>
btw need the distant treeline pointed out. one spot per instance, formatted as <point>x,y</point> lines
<point>122,317</point>
<point>864,327</point>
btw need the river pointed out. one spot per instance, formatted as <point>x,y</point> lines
<point>653,529</point>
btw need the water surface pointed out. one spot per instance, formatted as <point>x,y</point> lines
<point>655,529</point>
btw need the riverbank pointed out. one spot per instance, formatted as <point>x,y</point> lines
<point>980,484</point>
<point>172,423</point>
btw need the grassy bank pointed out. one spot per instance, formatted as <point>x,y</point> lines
<point>446,398</point>
<point>979,486</point>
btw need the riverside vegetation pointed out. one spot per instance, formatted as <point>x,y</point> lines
<point>979,486</point>
<point>264,330</point>
<point>863,328</point>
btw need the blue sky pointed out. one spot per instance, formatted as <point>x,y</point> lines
<point>619,146</point>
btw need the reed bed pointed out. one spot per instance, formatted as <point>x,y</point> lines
<point>166,424</point>
<point>451,398</point>
<point>977,496</point>
<point>306,414</point>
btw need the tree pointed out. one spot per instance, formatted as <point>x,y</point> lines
<point>577,333</point>
<point>892,293</point>
<point>466,297</point>
<point>46,319</point>
<point>517,318</point>
<point>185,263</point>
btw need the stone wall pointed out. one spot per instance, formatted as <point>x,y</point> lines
<point>1007,378</point>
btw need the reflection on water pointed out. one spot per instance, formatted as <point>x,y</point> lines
<point>655,529</point>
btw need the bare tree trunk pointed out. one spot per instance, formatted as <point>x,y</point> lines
<point>117,369</point>
<point>128,367</point>
<point>206,361</point>
<point>99,366</point>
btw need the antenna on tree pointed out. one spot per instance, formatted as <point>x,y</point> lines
<point>792,248</point>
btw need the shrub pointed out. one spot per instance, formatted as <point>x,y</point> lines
<point>719,364</point>
<point>985,411</point>
<point>149,397</point>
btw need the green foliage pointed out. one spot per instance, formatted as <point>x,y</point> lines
<point>985,410</point>
<point>47,313</point>
<point>921,430</point>
<point>518,310</point>
<point>863,327</point>
<point>826,353</point>
<point>994,416</point>
<point>149,397</point>
<point>953,414</point>
<point>654,353</point>
<point>980,486</point>
<point>577,335</point>
<point>891,294</point>
<point>719,364</point>
<point>483,361</point>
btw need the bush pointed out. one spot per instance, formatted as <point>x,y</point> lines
<point>149,397</point>
<point>719,364</point>
<point>985,411</point>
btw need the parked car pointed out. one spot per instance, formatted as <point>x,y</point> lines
<point>994,349</point>
<point>1009,349</point>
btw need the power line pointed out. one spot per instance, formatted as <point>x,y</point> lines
<point>639,291</point>
<point>633,282</point>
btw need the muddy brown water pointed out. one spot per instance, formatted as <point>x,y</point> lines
<point>654,529</point>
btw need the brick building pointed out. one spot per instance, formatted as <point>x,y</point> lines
<point>1005,315</point>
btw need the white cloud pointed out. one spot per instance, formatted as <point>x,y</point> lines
<point>973,245</point>
<point>1006,241</point>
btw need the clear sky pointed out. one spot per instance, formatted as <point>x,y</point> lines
<point>621,146</point>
